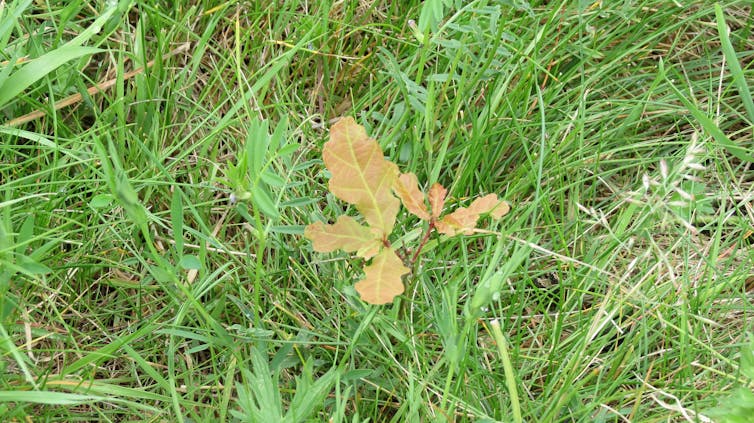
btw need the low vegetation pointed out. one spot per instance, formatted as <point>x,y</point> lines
<point>160,163</point>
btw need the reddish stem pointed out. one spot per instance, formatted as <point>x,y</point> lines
<point>425,239</point>
<point>387,244</point>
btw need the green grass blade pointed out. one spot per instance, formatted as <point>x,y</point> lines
<point>733,64</point>
<point>47,397</point>
<point>708,124</point>
<point>9,17</point>
<point>32,72</point>
<point>97,25</point>
<point>176,216</point>
<point>39,68</point>
<point>11,349</point>
<point>510,376</point>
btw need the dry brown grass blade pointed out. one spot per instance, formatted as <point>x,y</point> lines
<point>94,89</point>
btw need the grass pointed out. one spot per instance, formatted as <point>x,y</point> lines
<point>133,289</point>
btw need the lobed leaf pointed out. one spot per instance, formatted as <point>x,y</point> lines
<point>346,234</point>
<point>383,278</point>
<point>437,195</point>
<point>360,174</point>
<point>463,220</point>
<point>406,186</point>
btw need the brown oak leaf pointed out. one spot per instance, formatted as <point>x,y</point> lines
<point>360,174</point>
<point>406,186</point>
<point>437,195</point>
<point>463,220</point>
<point>383,278</point>
<point>346,234</point>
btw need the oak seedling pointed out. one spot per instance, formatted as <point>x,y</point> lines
<point>362,177</point>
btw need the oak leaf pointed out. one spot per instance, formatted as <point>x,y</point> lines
<point>406,186</point>
<point>383,278</point>
<point>437,195</point>
<point>360,174</point>
<point>346,234</point>
<point>463,220</point>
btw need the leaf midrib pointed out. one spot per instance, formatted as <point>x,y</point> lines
<point>354,164</point>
